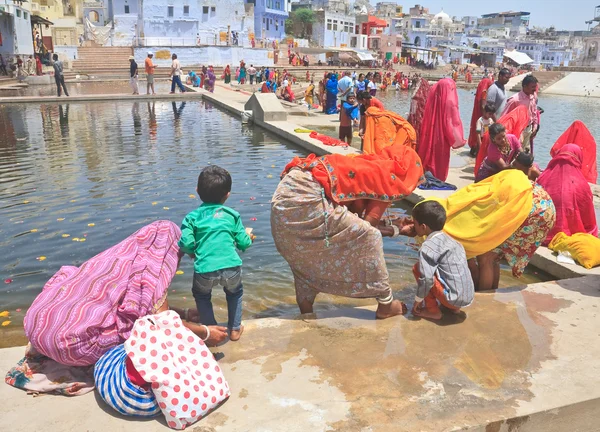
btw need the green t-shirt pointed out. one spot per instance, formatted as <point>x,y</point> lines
<point>212,232</point>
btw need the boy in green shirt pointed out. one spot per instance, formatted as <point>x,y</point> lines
<point>212,233</point>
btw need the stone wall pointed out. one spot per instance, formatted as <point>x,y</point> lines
<point>212,55</point>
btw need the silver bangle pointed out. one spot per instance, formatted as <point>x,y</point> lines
<point>207,333</point>
<point>396,231</point>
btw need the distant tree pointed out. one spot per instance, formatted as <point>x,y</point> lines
<point>300,23</point>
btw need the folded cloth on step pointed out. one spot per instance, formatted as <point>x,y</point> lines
<point>300,130</point>
<point>433,183</point>
<point>585,248</point>
<point>327,140</point>
<point>37,374</point>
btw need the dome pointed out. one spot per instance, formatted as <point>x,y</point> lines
<point>443,17</point>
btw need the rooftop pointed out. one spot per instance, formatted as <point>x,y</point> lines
<point>505,14</point>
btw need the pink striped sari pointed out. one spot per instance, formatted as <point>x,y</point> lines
<point>83,312</point>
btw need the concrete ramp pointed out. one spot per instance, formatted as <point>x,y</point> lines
<point>266,107</point>
<point>585,84</point>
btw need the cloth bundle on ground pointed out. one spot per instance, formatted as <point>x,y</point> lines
<point>579,134</point>
<point>571,193</point>
<point>515,123</point>
<point>585,248</point>
<point>480,95</point>
<point>441,128</point>
<point>417,106</point>
<point>384,129</point>
<point>388,176</point>
<point>327,140</point>
<point>432,183</point>
<point>185,381</point>
<point>84,311</point>
<point>483,215</point>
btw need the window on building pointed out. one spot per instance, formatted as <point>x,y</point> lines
<point>126,9</point>
<point>213,11</point>
<point>25,15</point>
<point>346,27</point>
<point>328,24</point>
<point>204,10</point>
<point>399,44</point>
<point>418,24</point>
<point>277,5</point>
<point>276,25</point>
<point>334,25</point>
<point>18,13</point>
<point>270,4</point>
<point>170,11</point>
<point>186,10</point>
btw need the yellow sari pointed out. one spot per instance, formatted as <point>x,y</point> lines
<point>483,215</point>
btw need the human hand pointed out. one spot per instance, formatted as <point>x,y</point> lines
<point>217,335</point>
<point>249,232</point>
<point>406,225</point>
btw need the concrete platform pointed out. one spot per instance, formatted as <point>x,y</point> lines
<point>521,359</point>
<point>97,97</point>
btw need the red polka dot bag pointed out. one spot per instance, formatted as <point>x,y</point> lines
<point>186,379</point>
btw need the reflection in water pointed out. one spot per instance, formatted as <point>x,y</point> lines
<point>78,178</point>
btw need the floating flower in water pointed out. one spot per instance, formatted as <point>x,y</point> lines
<point>252,198</point>
<point>91,224</point>
<point>270,176</point>
<point>179,272</point>
<point>5,323</point>
<point>66,235</point>
<point>4,314</point>
<point>60,219</point>
<point>81,239</point>
<point>41,258</point>
<point>75,239</point>
<point>241,200</point>
<point>34,230</point>
<point>252,218</point>
<point>25,202</point>
<point>7,281</point>
<point>85,235</point>
<point>154,202</point>
<point>165,208</point>
<point>272,166</point>
<point>185,298</point>
<point>131,188</point>
<point>18,310</point>
<point>192,196</point>
<point>72,200</point>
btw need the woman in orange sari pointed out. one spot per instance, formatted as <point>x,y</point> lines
<point>579,134</point>
<point>386,128</point>
<point>330,248</point>
<point>478,106</point>
<point>515,123</point>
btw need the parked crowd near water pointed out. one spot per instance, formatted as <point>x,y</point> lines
<point>107,324</point>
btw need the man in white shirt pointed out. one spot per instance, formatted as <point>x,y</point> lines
<point>176,75</point>
<point>251,73</point>
<point>345,86</point>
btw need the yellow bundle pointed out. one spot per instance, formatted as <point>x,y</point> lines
<point>583,247</point>
<point>483,215</point>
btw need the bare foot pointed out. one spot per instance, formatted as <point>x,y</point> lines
<point>306,307</point>
<point>451,311</point>
<point>421,312</point>
<point>235,335</point>
<point>396,307</point>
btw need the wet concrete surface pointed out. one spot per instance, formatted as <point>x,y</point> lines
<point>516,357</point>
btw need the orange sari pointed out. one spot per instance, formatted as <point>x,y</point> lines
<point>384,129</point>
<point>515,123</point>
<point>389,176</point>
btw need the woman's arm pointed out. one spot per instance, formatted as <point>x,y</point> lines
<point>217,333</point>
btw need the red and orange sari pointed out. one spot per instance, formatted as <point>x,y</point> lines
<point>384,129</point>
<point>579,134</point>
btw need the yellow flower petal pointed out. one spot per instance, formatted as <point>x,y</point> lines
<point>75,239</point>
<point>4,314</point>
<point>91,224</point>
<point>41,258</point>
<point>131,188</point>
<point>72,200</point>
<point>25,202</point>
<point>60,219</point>
<point>179,272</point>
<point>270,176</point>
<point>66,235</point>
<point>154,202</point>
<point>81,240</point>
<point>165,208</point>
<point>5,323</point>
<point>272,166</point>
<point>34,230</point>
<point>192,196</point>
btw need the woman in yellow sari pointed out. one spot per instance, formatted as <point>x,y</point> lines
<point>309,94</point>
<point>503,216</point>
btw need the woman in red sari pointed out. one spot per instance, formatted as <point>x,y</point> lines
<point>515,123</point>
<point>478,105</point>
<point>571,193</point>
<point>579,134</point>
<point>441,128</point>
<point>325,220</point>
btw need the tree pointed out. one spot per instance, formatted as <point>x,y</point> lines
<point>300,22</point>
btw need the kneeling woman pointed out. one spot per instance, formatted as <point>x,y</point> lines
<point>325,219</point>
<point>503,216</point>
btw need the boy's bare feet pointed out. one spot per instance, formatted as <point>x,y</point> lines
<point>396,307</point>
<point>235,335</point>
<point>419,311</point>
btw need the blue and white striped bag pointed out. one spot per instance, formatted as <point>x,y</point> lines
<point>118,391</point>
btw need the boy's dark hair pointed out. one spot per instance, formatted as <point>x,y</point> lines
<point>214,183</point>
<point>363,95</point>
<point>529,79</point>
<point>525,159</point>
<point>54,57</point>
<point>504,71</point>
<point>430,213</point>
<point>489,108</point>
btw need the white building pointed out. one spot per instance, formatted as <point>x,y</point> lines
<point>15,26</point>
<point>333,28</point>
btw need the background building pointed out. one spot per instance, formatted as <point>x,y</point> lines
<point>269,18</point>
<point>15,28</point>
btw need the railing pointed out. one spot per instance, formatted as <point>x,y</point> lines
<point>212,40</point>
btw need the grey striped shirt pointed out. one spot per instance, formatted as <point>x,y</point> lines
<point>444,257</point>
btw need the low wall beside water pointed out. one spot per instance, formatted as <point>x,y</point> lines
<point>208,55</point>
<point>585,84</point>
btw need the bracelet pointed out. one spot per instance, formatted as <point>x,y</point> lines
<point>396,231</point>
<point>207,333</point>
